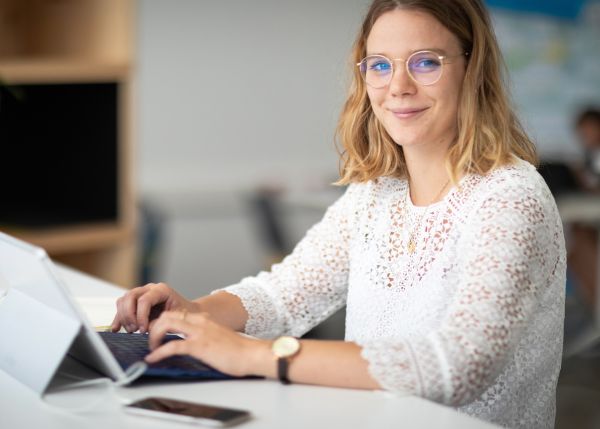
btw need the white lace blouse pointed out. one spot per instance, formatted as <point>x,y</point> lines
<point>473,318</point>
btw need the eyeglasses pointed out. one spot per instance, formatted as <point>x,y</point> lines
<point>424,67</point>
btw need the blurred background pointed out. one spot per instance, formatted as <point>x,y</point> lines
<point>191,142</point>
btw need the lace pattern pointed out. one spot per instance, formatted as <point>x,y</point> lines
<point>275,301</point>
<point>472,319</point>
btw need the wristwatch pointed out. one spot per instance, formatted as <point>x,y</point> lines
<point>284,349</point>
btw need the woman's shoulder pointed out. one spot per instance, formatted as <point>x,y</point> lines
<point>518,171</point>
<point>515,198</point>
<point>515,185</point>
<point>519,177</point>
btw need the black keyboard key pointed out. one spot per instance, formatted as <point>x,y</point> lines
<point>130,348</point>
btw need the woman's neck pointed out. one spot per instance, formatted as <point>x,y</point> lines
<point>428,178</point>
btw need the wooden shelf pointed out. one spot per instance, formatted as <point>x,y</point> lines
<point>80,238</point>
<point>50,70</point>
<point>80,41</point>
<point>88,30</point>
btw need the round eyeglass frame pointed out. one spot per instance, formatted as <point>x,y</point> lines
<point>443,60</point>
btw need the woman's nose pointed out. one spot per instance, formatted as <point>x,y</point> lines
<point>401,83</point>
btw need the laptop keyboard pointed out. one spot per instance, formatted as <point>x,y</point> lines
<point>131,348</point>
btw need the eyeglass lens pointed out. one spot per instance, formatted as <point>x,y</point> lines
<point>424,67</point>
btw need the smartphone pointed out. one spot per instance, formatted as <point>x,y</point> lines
<point>187,412</point>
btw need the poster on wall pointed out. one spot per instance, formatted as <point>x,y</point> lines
<point>552,50</point>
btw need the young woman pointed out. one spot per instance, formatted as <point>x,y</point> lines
<point>447,247</point>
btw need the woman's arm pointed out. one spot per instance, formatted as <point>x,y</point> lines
<point>329,363</point>
<point>225,309</point>
<point>309,285</point>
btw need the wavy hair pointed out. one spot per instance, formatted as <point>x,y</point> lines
<point>489,133</point>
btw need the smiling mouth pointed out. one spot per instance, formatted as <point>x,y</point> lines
<point>407,113</point>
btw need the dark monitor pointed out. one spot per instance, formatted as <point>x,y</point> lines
<point>559,177</point>
<point>59,154</point>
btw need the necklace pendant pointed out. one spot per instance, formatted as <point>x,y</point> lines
<point>412,246</point>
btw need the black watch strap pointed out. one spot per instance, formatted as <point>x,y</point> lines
<point>282,370</point>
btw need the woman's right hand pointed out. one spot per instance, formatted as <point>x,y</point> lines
<point>139,307</point>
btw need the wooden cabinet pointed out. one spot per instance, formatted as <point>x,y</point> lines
<point>78,42</point>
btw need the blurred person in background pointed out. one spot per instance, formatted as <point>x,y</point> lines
<point>583,238</point>
<point>587,127</point>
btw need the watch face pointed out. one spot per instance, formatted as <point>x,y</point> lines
<point>286,346</point>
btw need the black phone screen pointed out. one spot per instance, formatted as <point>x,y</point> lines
<point>189,409</point>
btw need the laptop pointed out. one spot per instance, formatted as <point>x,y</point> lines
<point>41,324</point>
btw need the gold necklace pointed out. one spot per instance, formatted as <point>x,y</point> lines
<point>412,243</point>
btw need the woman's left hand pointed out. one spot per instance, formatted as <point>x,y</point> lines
<point>208,341</point>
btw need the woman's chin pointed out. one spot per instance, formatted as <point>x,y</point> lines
<point>405,142</point>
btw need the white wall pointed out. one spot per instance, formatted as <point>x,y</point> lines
<point>232,96</point>
<point>234,93</point>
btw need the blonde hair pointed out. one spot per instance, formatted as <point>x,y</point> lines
<point>489,133</point>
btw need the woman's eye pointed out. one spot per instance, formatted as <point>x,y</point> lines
<point>380,66</point>
<point>425,64</point>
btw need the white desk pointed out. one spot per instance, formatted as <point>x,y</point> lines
<point>272,404</point>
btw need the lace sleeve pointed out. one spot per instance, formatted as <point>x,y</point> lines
<point>308,285</point>
<point>511,256</point>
